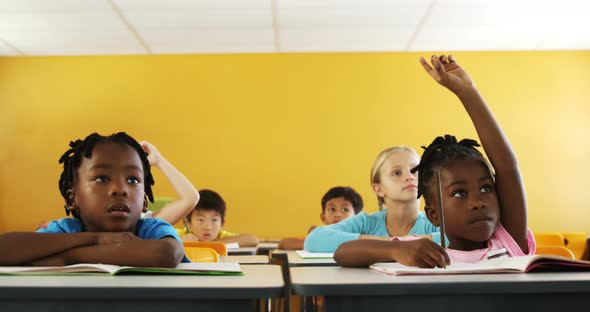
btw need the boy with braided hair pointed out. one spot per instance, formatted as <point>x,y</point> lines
<point>106,183</point>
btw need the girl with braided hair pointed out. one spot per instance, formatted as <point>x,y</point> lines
<point>484,206</point>
<point>106,183</point>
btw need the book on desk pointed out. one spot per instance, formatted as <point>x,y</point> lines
<point>304,254</point>
<point>523,264</point>
<point>199,268</point>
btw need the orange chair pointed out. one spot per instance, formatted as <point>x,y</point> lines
<point>219,247</point>
<point>576,242</point>
<point>550,239</point>
<point>554,250</point>
<point>201,254</point>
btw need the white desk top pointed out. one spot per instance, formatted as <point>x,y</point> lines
<point>246,259</point>
<point>317,281</point>
<point>242,251</point>
<point>257,281</point>
<point>295,260</point>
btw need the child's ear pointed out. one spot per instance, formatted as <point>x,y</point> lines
<point>323,217</point>
<point>71,198</point>
<point>378,189</point>
<point>70,205</point>
<point>145,203</point>
<point>432,215</point>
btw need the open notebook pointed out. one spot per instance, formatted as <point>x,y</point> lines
<point>524,264</point>
<point>304,254</point>
<point>199,268</point>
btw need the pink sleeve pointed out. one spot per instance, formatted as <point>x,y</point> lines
<point>506,240</point>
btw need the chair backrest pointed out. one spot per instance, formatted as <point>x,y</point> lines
<point>576,242</point>
<point>217,246</point>
<point>555,250</point>
<point>550,239</point>
<point>201,254</point>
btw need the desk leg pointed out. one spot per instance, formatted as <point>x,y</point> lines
<point>284,303</point>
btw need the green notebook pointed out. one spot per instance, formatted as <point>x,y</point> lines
<point>198,268</point>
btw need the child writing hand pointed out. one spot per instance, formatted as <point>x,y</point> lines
<point>188,196</point>
<point>106,183</point>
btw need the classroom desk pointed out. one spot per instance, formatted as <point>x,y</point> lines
<point>144,293</point>
<point>293,259</point>
<point>242,251</point>
<point>356,289</point>
<point>245,259</point>
<point>264,248</point>
<point>289,258</point>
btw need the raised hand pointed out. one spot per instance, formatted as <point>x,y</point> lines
<point>447,72</point>
<point>154,155</point>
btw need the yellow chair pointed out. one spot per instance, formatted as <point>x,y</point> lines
<point>219,247</point>
<point>180,231</point>
<point>576,242</point>
<point>201,254</point>
<point>555,250</point>
<point>550,239</point>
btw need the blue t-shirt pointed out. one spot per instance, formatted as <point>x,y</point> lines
<point>150,228</point>
<point>328,238</point>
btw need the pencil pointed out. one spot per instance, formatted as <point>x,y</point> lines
<point>441,211</point>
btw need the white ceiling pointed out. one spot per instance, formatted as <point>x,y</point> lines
<point>77,27</point>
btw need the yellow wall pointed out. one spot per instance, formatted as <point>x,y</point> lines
<point>273,132</point>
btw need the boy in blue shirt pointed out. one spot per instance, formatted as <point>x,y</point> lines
<point>106,184</point>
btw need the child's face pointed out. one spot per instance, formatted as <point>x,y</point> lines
<point>336,210</point>
<point>397,182</point>
<point>205,224</point>
<point>109,190</point>
<point>470,204</point>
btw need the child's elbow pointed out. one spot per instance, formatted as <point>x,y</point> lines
<point>250,241</point>
<point>346,257</point>
<point>195,199</point>
<point>314,242</point>
<point>170,253</point>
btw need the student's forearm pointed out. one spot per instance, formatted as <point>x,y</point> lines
<point>166,252</point>
<point>492,138</point>
<point>363,252</point>
<point>244,240</point>
<point>22,248</point>
<point>188,196</point>
<point>291,243</point>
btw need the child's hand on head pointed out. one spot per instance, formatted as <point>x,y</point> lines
<point>422,253</point>
<point>448,73</point>
<point>154,155</point>
<point>106,238</point>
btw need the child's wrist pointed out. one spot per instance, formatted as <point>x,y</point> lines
<point>466,91</point>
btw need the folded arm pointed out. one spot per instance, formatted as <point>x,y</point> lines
<point>244,240</point>
<point>166,252</point>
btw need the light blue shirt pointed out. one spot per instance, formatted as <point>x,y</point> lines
<point>328,238</point>
<point>150,228</point>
